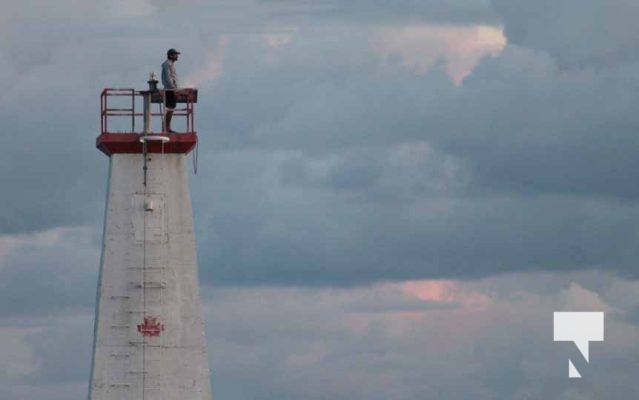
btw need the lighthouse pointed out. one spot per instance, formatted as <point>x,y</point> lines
<point>149,340</point>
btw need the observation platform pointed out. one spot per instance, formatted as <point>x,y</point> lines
<point>123,122</point>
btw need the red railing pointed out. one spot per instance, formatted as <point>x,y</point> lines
<point>130,106</point>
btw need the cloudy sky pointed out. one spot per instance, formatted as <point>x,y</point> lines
<point>392,197</point>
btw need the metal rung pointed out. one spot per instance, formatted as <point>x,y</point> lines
<point>146,268</point>
<point>120,354</point>
<point>152,285</point>
<point>138,372</point>
<point>119,385</point>
<point>147,344</point>
<point>120,297</point>
<point>120,326</point>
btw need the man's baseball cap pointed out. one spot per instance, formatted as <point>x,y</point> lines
<point>171,52</point>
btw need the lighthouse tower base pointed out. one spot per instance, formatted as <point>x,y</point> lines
<point>149,333</point>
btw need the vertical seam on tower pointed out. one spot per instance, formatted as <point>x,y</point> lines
<point>144,272</point>
<point>100,271</point>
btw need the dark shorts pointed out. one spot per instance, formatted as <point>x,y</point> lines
<point>170,99</point>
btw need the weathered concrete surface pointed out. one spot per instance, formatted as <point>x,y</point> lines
<point>148,273</point>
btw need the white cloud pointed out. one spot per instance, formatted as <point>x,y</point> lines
<point>576,298</point>
<point>495,346</point>
<point>52,272</point>
<point>574,394</point>
<point>131,8</point>
<point>485,339</point>
<point>388,172</point>
<point>213,65</point>
<point>48,238</point>
<point>458,48</point>
<point>276,40</point>
<point>17,360</point>
<point>574,32</point>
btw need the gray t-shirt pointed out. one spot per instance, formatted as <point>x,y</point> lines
<point>169,75</point>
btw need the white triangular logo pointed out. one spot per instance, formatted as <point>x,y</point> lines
<point>572,371</point>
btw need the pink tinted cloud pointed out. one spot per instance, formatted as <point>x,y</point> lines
<point>213,66</point>
<point>458,48</point>
<point>445,291</point>
<point>452,318</point>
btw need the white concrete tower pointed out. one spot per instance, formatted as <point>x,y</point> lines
<point>149,341</point>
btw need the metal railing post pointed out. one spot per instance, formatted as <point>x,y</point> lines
<point>147,113</point>
<point>153,87</point>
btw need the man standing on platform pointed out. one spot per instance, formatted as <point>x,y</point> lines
<point>170,83</point>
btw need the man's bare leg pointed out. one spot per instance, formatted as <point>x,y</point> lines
<point>167,120</point>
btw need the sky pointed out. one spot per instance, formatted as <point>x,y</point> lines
<point>391,200</point>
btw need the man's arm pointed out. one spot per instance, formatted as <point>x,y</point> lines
<point>173,76</point>
<point>167,83</point>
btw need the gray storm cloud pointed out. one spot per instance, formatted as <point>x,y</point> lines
<point>329,166</point>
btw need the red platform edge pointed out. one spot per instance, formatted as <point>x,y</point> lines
<point>129,143</point>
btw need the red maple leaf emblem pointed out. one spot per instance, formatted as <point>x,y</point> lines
<point>151,327</point>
